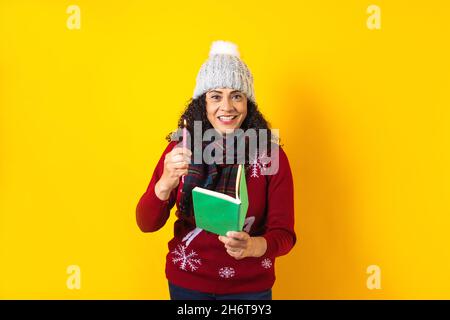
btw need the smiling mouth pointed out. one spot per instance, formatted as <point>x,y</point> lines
<point>226,118</point>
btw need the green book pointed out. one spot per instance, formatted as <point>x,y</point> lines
<point>219,213</point>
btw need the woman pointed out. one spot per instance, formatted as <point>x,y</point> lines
<point>200,264</point>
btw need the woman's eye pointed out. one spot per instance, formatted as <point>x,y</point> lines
<point>237,97</point>
<point>215,97</point>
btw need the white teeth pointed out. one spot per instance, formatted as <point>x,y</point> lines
<point>227,118</point>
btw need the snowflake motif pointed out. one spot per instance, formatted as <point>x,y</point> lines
<point>226,272</point>
<point>185,259</point>
<point>256,165</point>
<point>266,263</point>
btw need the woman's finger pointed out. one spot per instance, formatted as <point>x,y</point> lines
<point>180,157</point>
<point>236,255</point>
<point>236,246</point>
<point>180,165</point>
<point>180,150</point>
<point>239,235</point>
<point>181,172</point>
<point>233,243</point>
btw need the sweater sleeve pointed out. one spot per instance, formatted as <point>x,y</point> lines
<point>280,234</point>
<point>152,212</point>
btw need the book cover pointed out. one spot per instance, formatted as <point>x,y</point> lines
<point>219,213</point>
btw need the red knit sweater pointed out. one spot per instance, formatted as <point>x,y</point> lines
<point>197,260</point>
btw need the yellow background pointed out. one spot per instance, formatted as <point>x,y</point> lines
<point>363,115</point>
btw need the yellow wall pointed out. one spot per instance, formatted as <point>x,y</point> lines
<point>364,116</point>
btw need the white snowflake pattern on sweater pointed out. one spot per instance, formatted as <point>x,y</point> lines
<point>184,259</point>
<point>266,263</point>
<point>226,272</point>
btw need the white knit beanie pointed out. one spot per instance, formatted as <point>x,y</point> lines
<point>224,69</point>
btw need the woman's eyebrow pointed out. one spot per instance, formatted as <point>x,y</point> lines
<point>217,91</point>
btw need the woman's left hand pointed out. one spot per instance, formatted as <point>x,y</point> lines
<point>240,245</point>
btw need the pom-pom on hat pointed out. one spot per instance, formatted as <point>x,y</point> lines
<point>224,69</point>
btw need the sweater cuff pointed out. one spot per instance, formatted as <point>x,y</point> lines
<point>157,202</point>
<point>279,242</point>
<point>272,247</point>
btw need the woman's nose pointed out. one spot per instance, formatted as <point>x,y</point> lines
<point>227,105</point>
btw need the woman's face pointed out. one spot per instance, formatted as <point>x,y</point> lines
<point>226,108</point>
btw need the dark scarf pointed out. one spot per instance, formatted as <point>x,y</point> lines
<point>216,177</point>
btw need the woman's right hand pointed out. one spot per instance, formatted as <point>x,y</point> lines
<point>176,164</point>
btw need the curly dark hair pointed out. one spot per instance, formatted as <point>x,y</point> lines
<point>196,111</point>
